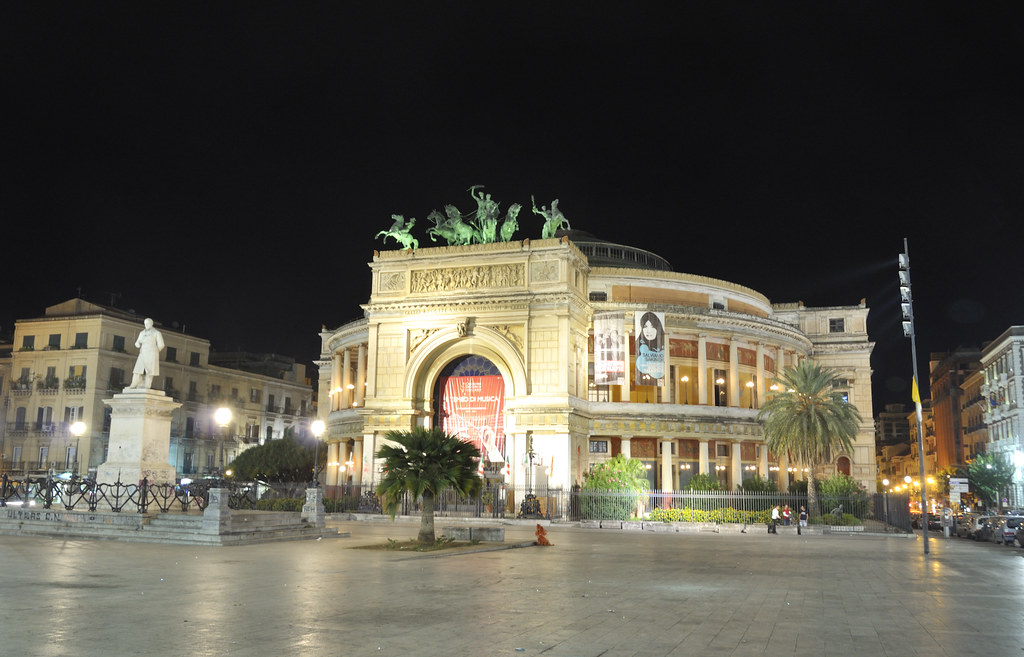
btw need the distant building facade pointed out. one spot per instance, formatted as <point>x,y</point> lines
<point>1002,362</point>
<point>594,349</point>
<point>947,373</point>
<point>64,364</point>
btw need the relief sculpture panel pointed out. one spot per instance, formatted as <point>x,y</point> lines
<point>455,278</point>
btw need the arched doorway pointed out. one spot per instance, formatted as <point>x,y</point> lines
<point>843,466</point>
<point>469,400</point>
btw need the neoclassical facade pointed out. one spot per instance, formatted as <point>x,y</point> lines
<point>522,315</point>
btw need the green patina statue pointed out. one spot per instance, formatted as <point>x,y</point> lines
<point>401,232</point>
<point>480,227</point>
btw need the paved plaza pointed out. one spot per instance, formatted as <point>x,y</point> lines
<point>595,592</point>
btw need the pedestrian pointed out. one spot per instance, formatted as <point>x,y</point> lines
<point>787,516</point>
<point>772,527</point>
<point>803,519</point>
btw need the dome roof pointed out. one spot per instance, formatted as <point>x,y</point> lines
<point>602,253</point>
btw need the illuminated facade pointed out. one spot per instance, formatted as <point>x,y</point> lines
<point>1002,362</point>
<point>525,311</point>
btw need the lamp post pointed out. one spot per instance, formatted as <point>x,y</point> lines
<point>222,416</point>
<point>885,502</point>
<point>686,389</point>
<point>907,306</point>
<point>77,429</point>
<point>750,389</point>
<point>317,428</point>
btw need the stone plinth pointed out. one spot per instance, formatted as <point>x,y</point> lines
<point>140,438</point>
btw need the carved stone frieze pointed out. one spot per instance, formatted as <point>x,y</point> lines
<point>544,271</point>
<point>462,278</point>
<point>417,336</point>
<point>392,281</point>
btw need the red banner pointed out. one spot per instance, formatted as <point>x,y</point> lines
<point>474,410</point>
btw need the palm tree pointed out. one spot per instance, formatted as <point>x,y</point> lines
<point>811,421</point>
<point>424,462</point>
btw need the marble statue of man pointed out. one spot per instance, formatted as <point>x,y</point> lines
<point>150,343</point>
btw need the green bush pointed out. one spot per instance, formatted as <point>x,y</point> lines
<point>843,490</point>
<point>342,504</point>
<point>704,481</point>
<point>613,489</point>
<point>844,520</point>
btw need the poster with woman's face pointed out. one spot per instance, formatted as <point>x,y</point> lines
<point>650,348</point>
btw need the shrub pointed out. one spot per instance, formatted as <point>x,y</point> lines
<point>614,489</point>
<point>704,481</point>
<point>844,491</point>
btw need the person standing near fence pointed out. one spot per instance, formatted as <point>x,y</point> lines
<point>803,519</point>
<point>775,520</point>
<point>787,516</point>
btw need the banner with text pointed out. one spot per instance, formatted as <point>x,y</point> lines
<point>650,349</point>
<point>474,409</point>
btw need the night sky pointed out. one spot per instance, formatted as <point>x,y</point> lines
<point>225,166</point>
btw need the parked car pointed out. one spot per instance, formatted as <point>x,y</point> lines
<point>1009,529</point>
<point>966,525</point>
<point>974,526</point>
<point>986,529</point>
<point>1020,534</point>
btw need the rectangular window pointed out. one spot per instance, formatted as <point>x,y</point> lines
<point>81,340</point>
<point>254,395</point>
<point>193,359</point>
<point>598,446</point>
<point>116,378</point>
<point>44,457</point>
<point>119,343</point>
<point>837,325</point>
<point>54,342</point>
<point>28,342</point>
<point>722,449</point>
<point>171,355</point>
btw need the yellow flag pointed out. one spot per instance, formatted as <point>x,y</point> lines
<point>914,394</point>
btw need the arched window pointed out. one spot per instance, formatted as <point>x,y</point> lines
<point>843,465</point>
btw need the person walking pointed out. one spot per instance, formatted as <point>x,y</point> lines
<point>802,519</point>
<point>772,528</point>
<point>787,516</point>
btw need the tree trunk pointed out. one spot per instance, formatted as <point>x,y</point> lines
<point>812,494</point>
<point>427,520</point>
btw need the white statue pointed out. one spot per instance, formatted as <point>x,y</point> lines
<point>150,343</point>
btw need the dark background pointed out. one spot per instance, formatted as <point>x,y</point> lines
<point>225,166</point>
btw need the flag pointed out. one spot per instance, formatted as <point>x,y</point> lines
<point>914,394</point>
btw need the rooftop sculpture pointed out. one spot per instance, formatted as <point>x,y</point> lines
<point>480,227</point>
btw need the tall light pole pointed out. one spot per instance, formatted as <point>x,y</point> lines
<point>907,305</point>
<point>77,429</point>
<point>222,416</point>
<point>318,429</point>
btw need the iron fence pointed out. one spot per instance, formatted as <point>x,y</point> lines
<point>85,494</point>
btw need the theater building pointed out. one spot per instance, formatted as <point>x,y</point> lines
<point>556,354</point>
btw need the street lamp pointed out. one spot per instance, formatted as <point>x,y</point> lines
<point>686,389</point>
<point>222,416</point>
<point>885,501</point>
<point>77,429</point>
<point>317,428</point>
<point>750,389</point>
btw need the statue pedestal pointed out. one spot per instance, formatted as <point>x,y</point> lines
<point>140,438</point>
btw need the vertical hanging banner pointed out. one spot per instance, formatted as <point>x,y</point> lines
<point>609,350</point>
<point>474,410</point>
<point>650,348</point>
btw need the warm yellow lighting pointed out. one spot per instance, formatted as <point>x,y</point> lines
<point>719,380</point>
<point>685,379</point>
<point>885,482</point>
<point>908,479</point>
<point>77,428</point>
<point>222,416</point>
<point>317,428</point>
<point>228,473</point>
<point>750,384</point>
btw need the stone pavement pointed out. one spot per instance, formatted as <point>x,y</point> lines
<point>594,593</point>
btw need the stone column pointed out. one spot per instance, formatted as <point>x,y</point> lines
<point>702,369</point>
<point>733,375</point>
<point>361,376</point>
<point>313,510</point>
<point>624,447</point>
<point>736,450</point>
<point>217,515</point>
<point>704,465</point>
<point>332,470</point>
<point>344,470</point>
<point>759,387</point>
<point>666,464</point>
<point>140,438</point>
<point>357,465</point>
<point>346,379</point>
<point>336,392</point>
